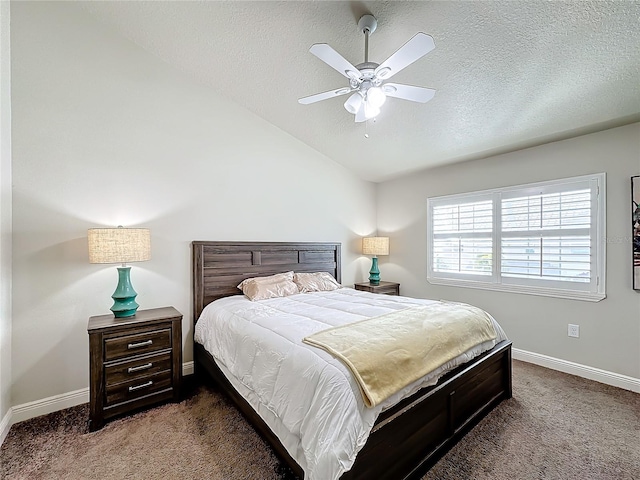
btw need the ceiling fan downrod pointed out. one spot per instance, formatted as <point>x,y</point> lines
<point>367,24</point>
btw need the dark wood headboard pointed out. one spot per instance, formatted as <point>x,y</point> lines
<point>218,267</point>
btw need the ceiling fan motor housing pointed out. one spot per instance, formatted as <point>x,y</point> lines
<point>369,67</point>
<point>367,74</point>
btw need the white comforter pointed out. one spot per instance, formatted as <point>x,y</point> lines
<point>307,397</point>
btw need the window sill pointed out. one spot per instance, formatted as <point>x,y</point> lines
<point>544,292</point>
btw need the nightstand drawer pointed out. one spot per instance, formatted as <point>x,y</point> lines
<point>140,387</point>
<point>136,344</point>
<point>139,368</point>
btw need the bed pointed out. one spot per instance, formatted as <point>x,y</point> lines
<point>406,438</point>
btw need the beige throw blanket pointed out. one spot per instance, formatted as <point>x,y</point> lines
<point>389,352</point>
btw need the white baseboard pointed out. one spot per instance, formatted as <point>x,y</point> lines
<point>584,371</point>
<point>5,425</point>
<point>49,405</point>
<point>187,368</point>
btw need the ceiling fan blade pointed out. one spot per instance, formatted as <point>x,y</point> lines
<point>408,92</point>
<point>323,96</point>
<point>419,45</point>
<point>332,58</point>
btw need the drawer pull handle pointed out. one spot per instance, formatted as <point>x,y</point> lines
<point>138,387</point>
<point>140,367</point>
<point>140,344</point>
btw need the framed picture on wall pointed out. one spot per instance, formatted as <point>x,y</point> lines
<point>635,229</point>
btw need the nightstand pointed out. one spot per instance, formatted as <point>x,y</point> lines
<point>134,362</point>
<point>388,288</point>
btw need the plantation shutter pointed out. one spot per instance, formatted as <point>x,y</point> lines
<point>547,236</point>
<point>462,238</point>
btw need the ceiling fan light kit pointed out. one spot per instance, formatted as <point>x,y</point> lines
<point>353,103</point>
<point>366,80</point>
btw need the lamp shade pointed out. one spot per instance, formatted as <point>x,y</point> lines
<point>119,245</point>
<point>375,245</point>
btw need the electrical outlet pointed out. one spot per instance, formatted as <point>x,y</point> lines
<point>574,330</point>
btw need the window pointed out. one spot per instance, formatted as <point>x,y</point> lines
<point>544,238</point>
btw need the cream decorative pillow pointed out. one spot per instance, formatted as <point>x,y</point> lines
<point>260,288</point>
<point>315,282</point>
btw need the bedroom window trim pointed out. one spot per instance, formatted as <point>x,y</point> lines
<point>466,222</point>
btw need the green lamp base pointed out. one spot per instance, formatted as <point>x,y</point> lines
<point>124,298</point>
<point>374,273</point>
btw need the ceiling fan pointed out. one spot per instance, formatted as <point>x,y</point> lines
<point>368,80</point>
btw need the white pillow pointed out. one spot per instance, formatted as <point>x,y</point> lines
<point>315,282</point>
<point>260,288</point>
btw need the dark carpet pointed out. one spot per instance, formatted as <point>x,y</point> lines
<point>556,426</point>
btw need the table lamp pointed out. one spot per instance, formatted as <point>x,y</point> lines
<point>375,246</point>
<point>120,245</point>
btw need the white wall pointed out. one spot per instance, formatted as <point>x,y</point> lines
<point>5,213</point>
<point>105,134</point>
<point>610,329</point>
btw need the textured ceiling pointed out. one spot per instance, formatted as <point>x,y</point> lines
<point>508,74</point>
